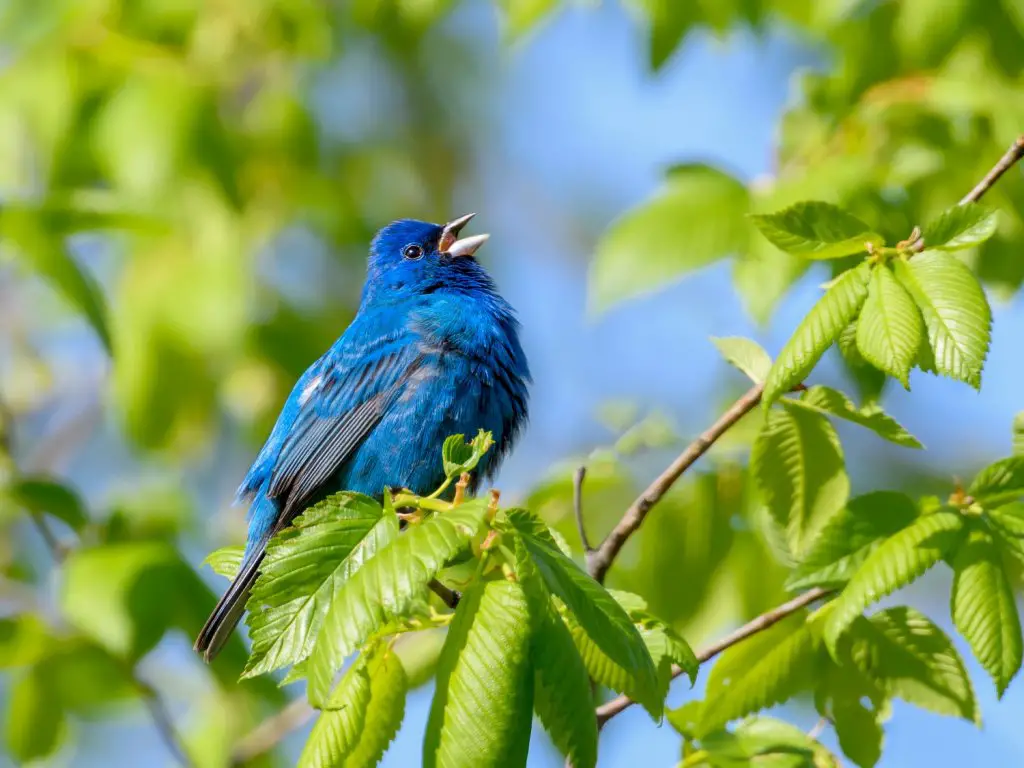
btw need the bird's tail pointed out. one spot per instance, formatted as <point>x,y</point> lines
<point>226,615</point>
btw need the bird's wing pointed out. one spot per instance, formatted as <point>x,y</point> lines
<point>337,410</point>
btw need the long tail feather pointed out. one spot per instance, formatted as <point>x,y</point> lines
<point>226,615</point>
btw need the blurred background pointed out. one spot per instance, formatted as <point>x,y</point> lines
<point>187,192</point>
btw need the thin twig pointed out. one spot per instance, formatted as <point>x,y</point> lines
<point>1012,156</point>
<point>449,596</point>
<point>577,507</point>
<point>268,734</point>
<point>162,719</point>
<point>633,518</point>
<point>58,549</point>
<point>610,709</point>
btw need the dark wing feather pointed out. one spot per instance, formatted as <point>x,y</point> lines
<point>332,424</point>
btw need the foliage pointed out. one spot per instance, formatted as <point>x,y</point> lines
<point>158,162</point>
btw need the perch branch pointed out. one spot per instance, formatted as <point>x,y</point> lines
<point>610,709</point>
<point>268,734</point>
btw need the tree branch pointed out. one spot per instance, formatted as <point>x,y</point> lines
<point>577,508</point>
<point>268,734</point>
<point>1014,154</point>
<point>605,554</point>
<point>610,709</point>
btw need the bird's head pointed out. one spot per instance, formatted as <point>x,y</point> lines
<point>411,257</point>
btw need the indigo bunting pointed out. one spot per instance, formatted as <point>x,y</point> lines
<point>433,351</point>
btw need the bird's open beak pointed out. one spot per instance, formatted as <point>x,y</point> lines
<point>450,243</point>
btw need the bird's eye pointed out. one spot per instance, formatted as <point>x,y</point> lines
<point>412,252</point>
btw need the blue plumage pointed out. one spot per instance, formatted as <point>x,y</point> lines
<point>433,351</point>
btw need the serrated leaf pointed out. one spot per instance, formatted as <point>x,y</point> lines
<point>846,541</point>
<point>999,482</point>
<point>890,329</point>
<point>362,716</point>
<point>856,707</point>
<point>483,704</point>
<point>459,456</point>
<point>304,568</point>
<point>956,313</point>
<point>816,230</point>
<point>832,402</point>
<point>764,670</point>
<point>388,585</point>
<point>562,695</point>
<point>1008,525</point>
<point>667,647</point>
<point>816,332</point>
<point>899,560</point>
<point>604,621</point>
<point>797,462</point>
<point>696,218</point>
<point>42,495</point>
<point>746,355</point>
<point>225,561</point>
<point>962,226</point>
<point>911,658</point>
<point>983,606</point>
<point>764,741</point>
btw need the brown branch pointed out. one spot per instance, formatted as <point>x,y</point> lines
<point>449,596</point>
<point>603,557</point>
<point>268,734</point>
<point>577,508</point>
<point>610,709</point>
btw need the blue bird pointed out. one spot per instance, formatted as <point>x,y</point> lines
<point>433,351</point>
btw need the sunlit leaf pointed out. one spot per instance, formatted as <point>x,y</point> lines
<point>955,311</point>
<point>35,721</point>
<point>848,538</point>
<point>832,402</point>
<point>305,567</point>
<point>797,462</point>
<point>890,329</point>
<point>984,608</point>
<point>764,741</point>
<point>746,355</point>
<point>816,332</point>
<point>816,230</point>
<point>1000,482</point>
<point>460,456</point>
<point>41,495</point>
<point>963,226</point>
<point>899,560</point>
<point>483,704</point>
<point>695,219</point>
<point>522,15</point>
<point>388,585</point>
<point>225,561</point>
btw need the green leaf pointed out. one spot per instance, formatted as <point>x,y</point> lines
<point>999,483</point>
<point>962,226</point>
<point>816,230</point>
<point>909,657</point>
<point>562,695</point>
<point>599,615</point>
<point>305,566</point>
<point>746,355</point>
<point>955,311</point>
<point>695,219</point>
<point>522,15</point>
<point>35,721</point>
<point>1018,434</point>
<point>483,704</point>
<point>39,495</point>
<point>47,254</point>
<point>668,22</point>
<point>764,670</point>
<point>362,716</point>
<point>459,456</point>
<point>816,332</point>
<point>225,561</point>
<point>849,537</point>
<point>764,741</point>
<point>983,606</point>
<point>388,585</point>
<point>901,559</point>
<point>667,647</point>
<point>797,462</point>
<point>890,330</point>
<point>856,707</point>
<point>1008,524</point>
<point>832,402</point>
